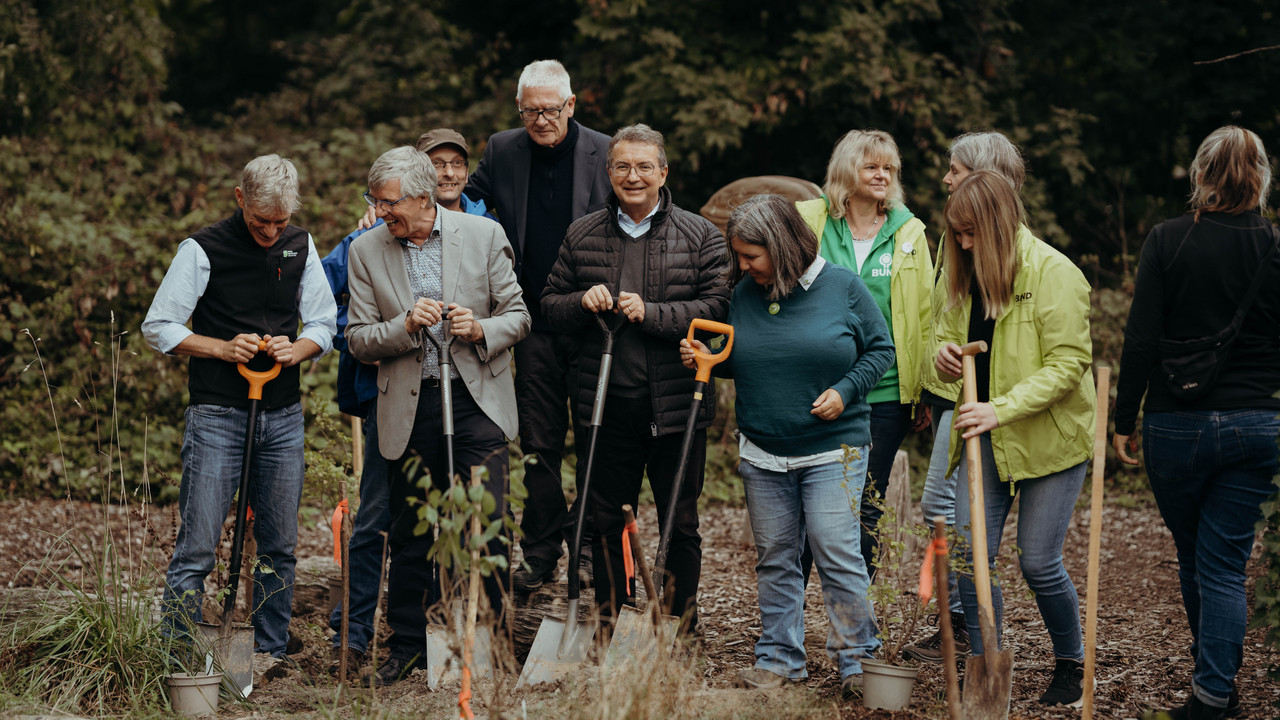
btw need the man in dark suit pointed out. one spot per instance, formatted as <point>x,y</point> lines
<point>539,179</point>
<point>431,270</point>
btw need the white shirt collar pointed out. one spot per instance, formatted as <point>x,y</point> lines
<point>633,228</point>
<point>812,273</point>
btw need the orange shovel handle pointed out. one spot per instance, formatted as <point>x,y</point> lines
<point>257,379</point>
<point>706,360</point>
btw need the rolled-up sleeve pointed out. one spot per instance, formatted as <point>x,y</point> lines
<point>316,308</point>
<point>165,326</point>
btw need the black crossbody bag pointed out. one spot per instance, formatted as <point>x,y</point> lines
<point>1191,367</point>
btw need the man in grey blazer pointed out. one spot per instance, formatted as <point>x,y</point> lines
<point>430,270</point>
<point>540,178</point>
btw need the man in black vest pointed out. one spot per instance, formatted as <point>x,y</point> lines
<point>249,278</point>
<point>539,179</point>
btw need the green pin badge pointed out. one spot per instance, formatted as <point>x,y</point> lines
<point>774,308</point>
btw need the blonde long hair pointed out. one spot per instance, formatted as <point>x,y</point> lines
<point>853,150</point>
<point>986,203</point>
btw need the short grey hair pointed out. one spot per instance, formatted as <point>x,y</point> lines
<point>544,73</point>
<point>643,134</point>
<point>412,168</point>
<point>774,223</point>
<point>989,150</point>
<point>270,182</point>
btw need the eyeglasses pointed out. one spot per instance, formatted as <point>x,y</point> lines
<point>624,170</point>
<point>457,164</point>
<point>384,205</point>
<point>531,114</point>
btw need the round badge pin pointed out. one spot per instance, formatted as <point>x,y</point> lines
<point>774,308</point>
<point>907,248</point>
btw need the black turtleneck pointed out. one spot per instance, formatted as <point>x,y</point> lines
<point>550,212</point>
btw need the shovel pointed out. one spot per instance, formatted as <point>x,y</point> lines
<point>561,646</point>
<point>639,636</point>
<point>988,679</point>
<point>705,362</point>
<point>442,661</point>
<point>233,644</point>
<point>1095,540</point>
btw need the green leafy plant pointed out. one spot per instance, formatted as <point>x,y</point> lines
<point>1266,589</point>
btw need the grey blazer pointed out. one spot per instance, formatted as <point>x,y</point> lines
<point>478,274</point>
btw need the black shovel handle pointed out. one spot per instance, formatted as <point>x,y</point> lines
<point>705,361</point>
<point>257,379</point>
<point>611,330</point>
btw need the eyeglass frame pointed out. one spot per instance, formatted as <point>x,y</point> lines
<point>458,164</point>
<point>375,203</point>
<point>544,112</point>
<point>614,170</point>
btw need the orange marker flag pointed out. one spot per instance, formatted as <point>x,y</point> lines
<point>338,512</point>
<point>938,546</point>
<point>628,560</point>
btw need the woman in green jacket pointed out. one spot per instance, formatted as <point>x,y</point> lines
<point>1034,417</point>
<point>862,224</point>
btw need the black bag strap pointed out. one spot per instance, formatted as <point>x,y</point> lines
<point>1257,282</point>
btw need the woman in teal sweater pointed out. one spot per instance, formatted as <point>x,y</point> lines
<point>810,343</point>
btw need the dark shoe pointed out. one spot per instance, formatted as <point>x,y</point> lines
<point>355,659</point>
<point>392,671</point>
<point>293,645</point>
<point>930,649</point>
<point>1067,685</point>
<point>1194,709</point>
<point>851,688</point>
<point>761,679</point>
<point>539,571</point>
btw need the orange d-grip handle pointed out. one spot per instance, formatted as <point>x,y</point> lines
<point>258,378</point>
<point>707,360</point>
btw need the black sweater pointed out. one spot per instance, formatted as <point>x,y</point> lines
<point>1189,289</point>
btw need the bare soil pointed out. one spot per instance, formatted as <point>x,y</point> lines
<point>1143,639</point>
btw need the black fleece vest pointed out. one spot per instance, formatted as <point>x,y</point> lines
<point>251,290</point>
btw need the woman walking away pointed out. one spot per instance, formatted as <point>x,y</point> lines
<point>1034,416</point>
<point>862,224</point>
<point>969,152</point>
<point>1211,459</point>
<point>810,344</point>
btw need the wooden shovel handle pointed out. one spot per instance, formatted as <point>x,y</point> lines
<point>1095,539</point>
<point>977,508</point>
<point>642,565</point>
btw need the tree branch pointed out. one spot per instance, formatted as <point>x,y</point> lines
<point>1239,54</point>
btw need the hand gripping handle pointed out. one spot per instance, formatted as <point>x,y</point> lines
<point>706,360</point>
<point>257,378</point>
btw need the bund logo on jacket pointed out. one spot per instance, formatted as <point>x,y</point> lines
<point>886,266</point>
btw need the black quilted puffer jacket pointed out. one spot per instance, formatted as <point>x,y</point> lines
<point>685,279</point>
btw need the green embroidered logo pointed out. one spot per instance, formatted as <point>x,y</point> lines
<point>290,253</point>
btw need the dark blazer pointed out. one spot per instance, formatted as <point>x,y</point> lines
<point>502,179</point>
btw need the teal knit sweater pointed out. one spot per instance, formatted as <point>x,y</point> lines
<point>829,336</point>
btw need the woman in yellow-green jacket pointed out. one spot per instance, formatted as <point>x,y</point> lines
<point>862,224</point>
<point>1034,416</point>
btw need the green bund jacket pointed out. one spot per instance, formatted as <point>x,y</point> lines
<point>910,283</point>
<point>1041,389</point>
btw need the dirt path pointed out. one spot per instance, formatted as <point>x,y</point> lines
<point>1142,640</point>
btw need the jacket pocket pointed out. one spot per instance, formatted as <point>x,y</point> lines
<point>500,363</point>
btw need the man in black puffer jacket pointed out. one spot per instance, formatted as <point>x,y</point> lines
<point>665,266</point>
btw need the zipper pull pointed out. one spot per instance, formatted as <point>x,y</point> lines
<point>653,429</point>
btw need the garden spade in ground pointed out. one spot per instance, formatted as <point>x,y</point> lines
<point>561,646</point>
<point>233,644</point>
<point>988,679</point>
<point>640,636</point>
<point>442,658</point>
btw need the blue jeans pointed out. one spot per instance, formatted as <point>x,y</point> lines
<point>1210,472</point>
<point>365,552</point>
<point>820,502</point>
<point>1044,512</point>
<point>939,496</point>
<point>212,456</point>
